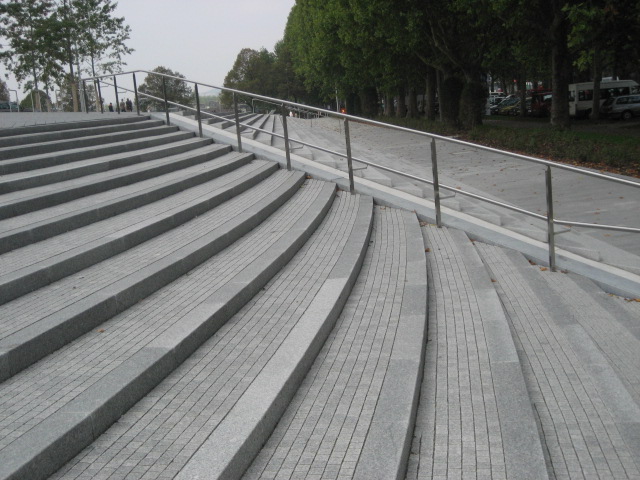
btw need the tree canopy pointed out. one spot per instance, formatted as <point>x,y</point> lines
<point>375,53</point>
<point>48,40</point>
<point>178,91</point>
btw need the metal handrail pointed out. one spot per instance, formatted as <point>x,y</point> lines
<point>549,218</point>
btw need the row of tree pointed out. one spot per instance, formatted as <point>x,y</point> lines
<point>46,44</point>
<point>377,53</point>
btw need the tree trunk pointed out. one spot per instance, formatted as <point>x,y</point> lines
<point>430,96</point>
<point>413,103</point>
<point>560,67</point>
<point>37,106</point>
<point>597,78</point>
<point>472,102</point>
<point>449,95</point>
<point>388,105</point>
<point>401,107</point>
<point>522,93</point>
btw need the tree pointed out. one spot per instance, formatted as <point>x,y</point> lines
<point>178,91</point>
<point>32,51</point>
<point>4,91</point>
<point>253,71</point>
<point>89,31</point>
<point>101,37</point>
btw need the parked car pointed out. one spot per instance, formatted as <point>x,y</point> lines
<point>9,107</point>
<point>506,106</point>
<point>510,100</point>
<point>625,107</point>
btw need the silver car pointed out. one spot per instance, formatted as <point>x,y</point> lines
<point>625,107</point>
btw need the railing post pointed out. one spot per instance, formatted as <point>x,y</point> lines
<point>550,231</point>
<point>198,111</point>
<point>166,104</point>
<point>436,183</point>
<point>135,92</point>
<point>235,111</point>
<point>115,86</point>
<point>347,138</point>
<point>287,149</point>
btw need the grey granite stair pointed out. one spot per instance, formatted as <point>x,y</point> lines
<point>579,368</point>
<point>156,343</point>
<point>475,414</point>
<point>37,265</point>
<point>44,320</point>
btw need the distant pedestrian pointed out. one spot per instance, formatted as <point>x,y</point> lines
<point>129,105</point>
<point>122,108</point>
<point>111,107</point>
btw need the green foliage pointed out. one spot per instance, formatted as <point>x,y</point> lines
<point>42,36</point>
<point>4,91</point>
<point>178,90</point>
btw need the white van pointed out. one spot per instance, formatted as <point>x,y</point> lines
<point>581,94</point>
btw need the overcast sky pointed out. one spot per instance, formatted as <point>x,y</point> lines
<point>198,38</point>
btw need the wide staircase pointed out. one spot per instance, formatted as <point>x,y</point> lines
<point>173,308</point>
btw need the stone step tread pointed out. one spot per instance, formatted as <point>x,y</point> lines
<point>473,383</point>
<point>91,141</point>
<point>42,224</point>
<point>353,414</point>
<point>82,299</point>
<point>34,162</point>
<point>30,138</point>
<point>581,406</point>
<point>25,201</point>
<point>100,176</point>
<point>38,264</point>
<point>70,125</point>
<point>608,333</point>
<point>168,325</point>
<point>56,173</point>
<point>226,369</point>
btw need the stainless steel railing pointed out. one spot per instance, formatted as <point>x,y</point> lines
<point>549,218</point>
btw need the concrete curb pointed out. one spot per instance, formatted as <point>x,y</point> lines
<point>25,280</point>
<point>386,448</point>
<point>231,448</point>
<point>23,348</point>
<point>50,444</point>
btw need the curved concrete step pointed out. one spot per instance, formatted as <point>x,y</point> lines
<point>266,138</point>
<point>586,415</point>
<point>42,321</point>
<point>353,414</point>
<point>227,368</point>
<point>69,125</point>
<point>77,133</point>
<point>34,162</point>
<point>475,413</point>
<point>27,229</point>
<point>155,128</point>
<point>26,201</point>
<point>60,173</point>
<point>145,360</point>
<point>33,267</point>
